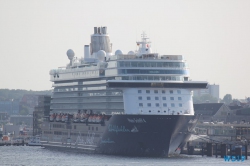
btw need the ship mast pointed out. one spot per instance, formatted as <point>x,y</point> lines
<point>144,45</point>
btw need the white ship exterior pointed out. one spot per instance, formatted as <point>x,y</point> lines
<point>139,103</point>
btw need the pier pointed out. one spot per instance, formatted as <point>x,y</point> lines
<point>13,143</point>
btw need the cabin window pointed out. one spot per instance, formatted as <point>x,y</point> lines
<point>171,91</point>
<point>139,91</point>
<point>179,98</point>
<point>156,98</point>
<point>163,98</point>
<point>149,111</point>
<point>140,104</point>
<point>149,104</point>
<point>147,91</point>
<point>172,105</point>
<point>148,98</point>
<point>155,91</point>
<point>157,104</point>
<point>163,91</point>
<point>171,98</point>
<point>179,91</point>
<point>164,104</point>
<point>140,98</point>
<point>180,105</point>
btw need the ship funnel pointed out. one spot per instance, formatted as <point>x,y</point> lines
<point>95,30</point>
<point>100,41</point>
<point>86,51</point>
<point>104,30</point>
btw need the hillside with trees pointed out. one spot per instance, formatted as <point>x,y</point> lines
<point>17,94</point>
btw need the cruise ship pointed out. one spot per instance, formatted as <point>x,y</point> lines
<point>137,103</point>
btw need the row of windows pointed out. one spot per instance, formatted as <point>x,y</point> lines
<point>60,133</point>
<point>173,78</point>
<point>157,98</point>
<point>79,89</point>
<point>141,71</point>
<point>58,126</point>
<point>152,64</point>
<point>158,104</point>
<point>47,132</point>
<point>71,94</point>
<point>162,91</point>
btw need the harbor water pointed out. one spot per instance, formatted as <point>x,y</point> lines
<point>39,156</point>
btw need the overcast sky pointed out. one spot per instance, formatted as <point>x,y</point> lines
<point>213,35</point>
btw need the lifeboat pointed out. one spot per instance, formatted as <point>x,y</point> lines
<point>63,118</point>
<point>94,119</point>
<point>98,119</point>
<point>76,118</point>
<point>59,117</point>
<point>66,117</point>
<point>90,120</point>
<point>52,117</point>
<point>84,118</point>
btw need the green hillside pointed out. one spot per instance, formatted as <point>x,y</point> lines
<point>17,94</point>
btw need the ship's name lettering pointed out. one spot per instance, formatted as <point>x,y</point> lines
<point>117,129</point>
<point>137,120</point>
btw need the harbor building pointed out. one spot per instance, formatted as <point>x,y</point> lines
<point>212,90</point>
<point>21,119</point>
<point>40,111</point>
<point>10,107</point>
<point>211,112</point>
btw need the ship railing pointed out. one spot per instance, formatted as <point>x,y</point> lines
<point>77,68</point>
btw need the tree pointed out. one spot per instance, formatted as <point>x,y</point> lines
<point>227,99</point>
<point>24,110</point>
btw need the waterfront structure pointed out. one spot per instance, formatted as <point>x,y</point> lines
<point>40,111</point>
<point>10,129</point>
<point>21,119</point>
<point>10,107</point>
<point>219,112</point>
<point>211,112</point>
<point>139,103</point>
<point>4,116</point>
<point>212,90</point>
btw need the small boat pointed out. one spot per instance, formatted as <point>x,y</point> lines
<point>77,118</point>
<point>98,119</point>
<point>34,141</point>
<point>52,117</point>
<point>84,118</point>
<point>59,118</point>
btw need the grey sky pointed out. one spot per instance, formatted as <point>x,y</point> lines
<point>213,35</point>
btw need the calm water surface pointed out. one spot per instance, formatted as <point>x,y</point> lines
<point>38,156</point>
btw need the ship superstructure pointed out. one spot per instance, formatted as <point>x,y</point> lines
<point>139,82</point>
<point>124,99</point>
